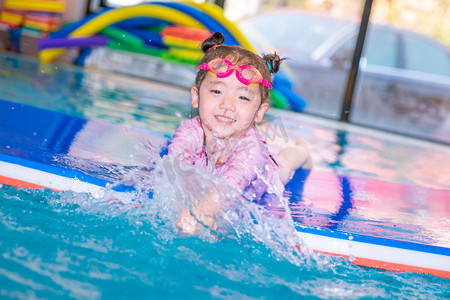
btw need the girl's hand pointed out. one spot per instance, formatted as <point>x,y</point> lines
<point>204,213</point>
<point>218,150</point>
<point>186,223</point>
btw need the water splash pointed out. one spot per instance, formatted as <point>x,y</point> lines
<point>162,193</point>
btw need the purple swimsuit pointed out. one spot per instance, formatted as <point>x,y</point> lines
<point>249,168</point>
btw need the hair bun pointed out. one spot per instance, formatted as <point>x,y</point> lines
<point>274,61</point>
<point>214,40</point>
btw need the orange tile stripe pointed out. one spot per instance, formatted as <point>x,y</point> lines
<point>21,184</point>
<point>389,266</point>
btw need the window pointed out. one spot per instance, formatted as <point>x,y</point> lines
<point>425,55</point>
<point>381,48</point>
<point>292,33</point>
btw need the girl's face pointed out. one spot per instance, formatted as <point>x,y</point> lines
<point>227,107</point>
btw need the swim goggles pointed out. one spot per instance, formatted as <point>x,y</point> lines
<point>222,68</point>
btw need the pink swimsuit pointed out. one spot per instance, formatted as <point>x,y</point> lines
<point>248,168</point>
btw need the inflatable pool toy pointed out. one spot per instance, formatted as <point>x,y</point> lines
<point>36,147</point>
<point>36,5</point>
<point>122,36</point>
<point>41,17</point>
<point>150,38</point>
<point>112,16</point>
<point>182,37</point>
<point>73,42</point>
<point>182,26</point>
<point>185,33</point>
<point>11,18</point>
<point>215,12</point>
<point>69,28</point>
<point>206,20</point>
<point>278,99</point>
<point>42,21</point>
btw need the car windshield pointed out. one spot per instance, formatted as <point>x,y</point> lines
<point>293,33</point>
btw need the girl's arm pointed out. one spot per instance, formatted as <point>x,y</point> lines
<point>187,141</point>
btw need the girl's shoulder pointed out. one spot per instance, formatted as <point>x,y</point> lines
<point>189,132</point>
<point>193,123</point>
<point>190,127</point>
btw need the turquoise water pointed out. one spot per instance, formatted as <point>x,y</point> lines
<point>51,249</point>
<point>65,245</point>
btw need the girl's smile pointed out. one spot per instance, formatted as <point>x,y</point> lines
<point>227,107</point>
<point>224,120</point>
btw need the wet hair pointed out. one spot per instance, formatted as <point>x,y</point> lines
<point>213,48</point>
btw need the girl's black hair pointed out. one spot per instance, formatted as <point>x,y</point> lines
<point>215,39</point>
<point>213,47</point>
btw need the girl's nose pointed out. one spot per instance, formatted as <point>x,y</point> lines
<point>228,104</point>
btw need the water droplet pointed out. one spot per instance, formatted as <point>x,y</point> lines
<point>351,257</point>
<point>350,237</point>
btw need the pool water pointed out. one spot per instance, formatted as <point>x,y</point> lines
<point>66,245</point>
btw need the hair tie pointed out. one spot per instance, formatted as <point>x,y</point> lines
<point>214,47</point>
<point>268,65</point>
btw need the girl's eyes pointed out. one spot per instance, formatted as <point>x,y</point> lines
<point>218,92</point>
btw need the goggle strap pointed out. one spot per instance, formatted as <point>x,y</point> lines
<point>268,65</point>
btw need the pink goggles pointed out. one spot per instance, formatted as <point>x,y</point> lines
<point>222,68</point>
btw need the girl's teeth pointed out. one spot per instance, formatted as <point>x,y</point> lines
<point>224,119</point>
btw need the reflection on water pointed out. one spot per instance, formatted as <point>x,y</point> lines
<point>368,153</point>
<point>111,98</point>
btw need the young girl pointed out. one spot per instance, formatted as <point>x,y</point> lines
<point>231,93</point>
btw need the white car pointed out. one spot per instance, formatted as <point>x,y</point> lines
<point>403,82</point>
